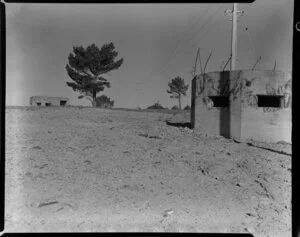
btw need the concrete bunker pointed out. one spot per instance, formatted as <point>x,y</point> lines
<point>244,104</point>
<point>48,101</point>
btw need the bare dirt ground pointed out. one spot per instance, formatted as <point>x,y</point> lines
<point>84,169</point>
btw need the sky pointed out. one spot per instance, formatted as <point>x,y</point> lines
<point>158,42</point>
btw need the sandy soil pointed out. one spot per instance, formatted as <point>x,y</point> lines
<point>85,169</point>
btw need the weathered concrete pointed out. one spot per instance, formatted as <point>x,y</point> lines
<point>266,123</point>
<point>243,119</point>
<point>48,101</point>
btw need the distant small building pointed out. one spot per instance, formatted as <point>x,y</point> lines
<point>48,101</point>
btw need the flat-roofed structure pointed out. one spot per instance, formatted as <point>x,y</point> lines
<point>48,101</point>
<point>244,104</point>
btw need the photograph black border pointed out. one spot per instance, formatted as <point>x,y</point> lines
<point>295,108</point>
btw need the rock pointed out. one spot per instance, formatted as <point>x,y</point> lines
<point>250,214</point>
<point>47,203</point>
<point>168,213</point>
<point>87,162</point>
<point>155,137</point>
<point>37,147</point>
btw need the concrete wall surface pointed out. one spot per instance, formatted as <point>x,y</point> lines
<point>266,126</point>
<point>47,100</point>
<point>267,123</point>
<point>223,121</point>
<point>243,119</point>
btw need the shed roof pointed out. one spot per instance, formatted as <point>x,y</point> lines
<point>49,97</point>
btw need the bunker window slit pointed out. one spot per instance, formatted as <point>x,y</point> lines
<point>274,101</point>
<point>220,101</point>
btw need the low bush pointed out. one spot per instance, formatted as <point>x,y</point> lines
<point>157,105</point>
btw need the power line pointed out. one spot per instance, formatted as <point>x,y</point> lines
<point>246,28</point>
<point>178,46</point>
<point>203,25</point>
<point>181,40</point>
<point>196,35</point>
<point>217,22</point>
<point>174,55</point>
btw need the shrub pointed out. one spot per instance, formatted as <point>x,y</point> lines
<point>187,107</point>
<point>157,105</point>
<point>104,102</point>
<point>175,107</point>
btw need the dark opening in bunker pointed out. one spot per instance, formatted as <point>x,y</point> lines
<point>274,101</point>
<point>48,104</point>
<point>62,102</point>
<point>220,101</point>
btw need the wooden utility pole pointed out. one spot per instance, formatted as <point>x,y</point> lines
<point>234,13</point>
<point>234,39</point>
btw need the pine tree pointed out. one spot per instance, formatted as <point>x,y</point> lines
<point>86,67</point>
<point>177,89</point>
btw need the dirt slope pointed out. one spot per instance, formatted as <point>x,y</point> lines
<point>84,169</point>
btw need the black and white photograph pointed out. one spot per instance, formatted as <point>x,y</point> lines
<point>149,117</point>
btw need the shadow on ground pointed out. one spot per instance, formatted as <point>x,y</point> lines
<point>179,125</point>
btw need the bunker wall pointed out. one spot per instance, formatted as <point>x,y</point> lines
<point>259,105</point>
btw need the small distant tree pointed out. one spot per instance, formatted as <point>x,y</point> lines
<point>157,105</point>
<point>86,67</point>
<point>187,107</point>
<point>104,102</point>
<point>175,107</point>
<point>177,89</point>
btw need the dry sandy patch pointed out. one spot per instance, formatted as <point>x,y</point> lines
<point>85,169</point>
